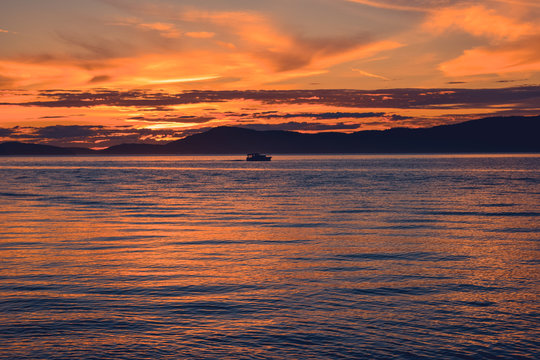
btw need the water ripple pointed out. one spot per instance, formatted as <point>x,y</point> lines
<point>307,257</point>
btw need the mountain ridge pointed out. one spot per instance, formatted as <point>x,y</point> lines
<point>491,134</point>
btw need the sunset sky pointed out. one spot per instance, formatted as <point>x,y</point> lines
<point>101,72</point>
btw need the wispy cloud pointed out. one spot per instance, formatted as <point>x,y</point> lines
<point>179,80</point>
<point>303,126</point>
<point>91,136</point>
<point>389,5</point>
<point>527,3</point>
<point>478,21</point>
<point>428,5</point>
<point>182,119</point>
<point>218,49</point>
<point>259,38</point>
<point>517,56</point>
<point>365,73</point>
<point>164,29</point>
<point>320,116</point>
<point>5,132</point>
<point>521,96</point>
<point>99,78</point>
<point>509,44</point>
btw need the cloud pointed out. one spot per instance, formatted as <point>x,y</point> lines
<point>523,97</point>
<point>396,117</point>
<point>134,98</point>
<point>515,56</point>
<point>365,73</point>
<point>478,21</point>
<point>259,38</point>
<point>511,45</point>
<point>390,5</point>
<point>165,30</point>
<point>4,132</point>
<point>185,119</point>
<point>321,116</point>
<point>510,80</point>
<point>67,131</point>
<point>180,80</point>
<point>96,47</point>
<point>39,72</point>
<point>303,126</point>
<point>99,78</point>
<point>92,136</point>
<point>169,46</point>
<point>428,5</point>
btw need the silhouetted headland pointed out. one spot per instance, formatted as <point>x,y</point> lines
<point>19,148</point>
<point>487,135</point>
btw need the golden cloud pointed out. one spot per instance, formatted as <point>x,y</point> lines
<point>518,56</point>
<point>512,45</point>
<point>478,21</point>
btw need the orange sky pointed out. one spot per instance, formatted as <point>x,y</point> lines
<point>161,49</point>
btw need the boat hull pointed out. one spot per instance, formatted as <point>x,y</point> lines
<point>258,157</point>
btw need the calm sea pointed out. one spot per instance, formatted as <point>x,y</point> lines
<point>304,257</point>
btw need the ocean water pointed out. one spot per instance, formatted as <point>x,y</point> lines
<point>304,257</point>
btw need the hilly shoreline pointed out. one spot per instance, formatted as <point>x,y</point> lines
<point>494,134</point>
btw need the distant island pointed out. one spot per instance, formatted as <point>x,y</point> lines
<point>488,135</point>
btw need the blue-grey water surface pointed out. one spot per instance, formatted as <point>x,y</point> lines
<point>304,257</point>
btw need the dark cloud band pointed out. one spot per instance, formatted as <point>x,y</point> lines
<point>523,97</point>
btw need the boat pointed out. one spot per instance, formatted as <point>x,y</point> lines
<point>258,157</point>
